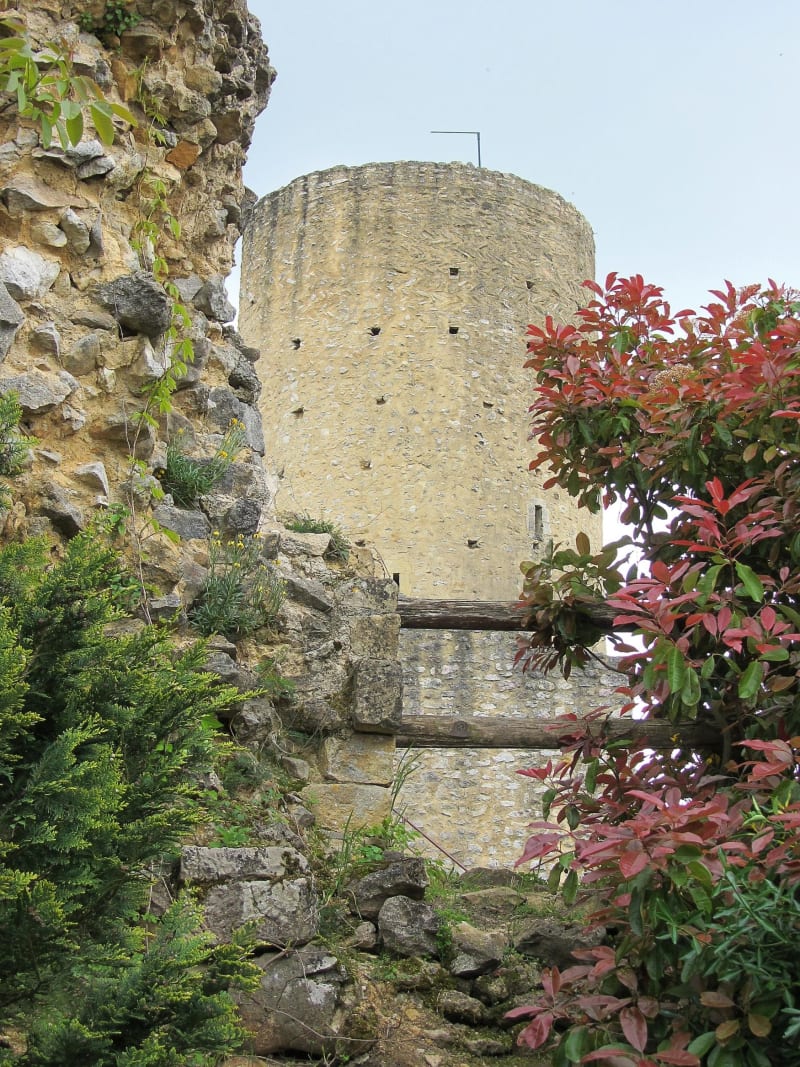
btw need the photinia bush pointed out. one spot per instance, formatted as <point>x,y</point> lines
<point>691,858</point>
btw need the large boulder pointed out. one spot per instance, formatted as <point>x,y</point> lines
<point>409,927</point>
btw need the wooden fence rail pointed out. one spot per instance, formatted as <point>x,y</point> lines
<point>420,614</point>
<point>446,731</point>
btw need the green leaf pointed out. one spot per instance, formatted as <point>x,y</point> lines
<point>570,890</point>
<point>751,582</point>
<point>703,1043</point>
<point>750,681</point>
<point>102,123</point>
<point>676,669</point>
<point>577,1044</point>
<point>690,692</point>
<point>74,126</point>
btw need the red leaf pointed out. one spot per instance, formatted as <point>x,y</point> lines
<point>535,1035</point>
<point>634,1027</point>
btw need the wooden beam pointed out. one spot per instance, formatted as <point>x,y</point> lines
<point>444,731</point>
<point>420,614</point>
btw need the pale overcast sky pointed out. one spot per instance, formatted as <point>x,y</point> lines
<point>671,125</point>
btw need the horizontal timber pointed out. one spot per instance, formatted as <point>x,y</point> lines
<point>418,614</point>
<point>445,731</point>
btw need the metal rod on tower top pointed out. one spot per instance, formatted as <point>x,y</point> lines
<point>473,133</point>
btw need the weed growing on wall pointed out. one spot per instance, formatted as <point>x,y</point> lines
<point>339,548</point>
<point>45,89</point>
<point>186,479</point>
<point>242,592</point>
<point>115,19</point>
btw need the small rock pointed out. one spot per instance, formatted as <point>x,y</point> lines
<point>407,877</point>
<point>409,927</point>
<point>95,168</point>
<point>47,233</point>
<point>26,274</point>
<point>184,154</point>
<point>461,1008</point>
<point>296,545</point>
<point>166,608</point>
<point>303,1004</point>
<point>94,474</point>
<point>83,356</point>
<point>38,392</point>
<point>75,231</point>
<point>256,723</point>
<point>212,300</point>
<point>11,318</point>
<point>56,505</point>
<point>138,303</point>
<point>310,593</point>
<point>189,525</point>
<point>23,193</point>
<point>364,938</point>
<point>475,952</point>
<point>47,339</point>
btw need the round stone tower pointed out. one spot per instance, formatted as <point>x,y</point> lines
<point>390,302</point>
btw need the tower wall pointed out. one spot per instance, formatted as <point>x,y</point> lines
<point>390,303</point>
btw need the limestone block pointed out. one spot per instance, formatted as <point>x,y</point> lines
<point>365,758</point>
<point>208,866</point>
<point>56,504</point>
<point>335,804</point>
<point>212,300</point>
<point>23,193</point>
<point>374,636</point>
<point>84,355</point>
<point>310,593</point>
<point>552,941</point>
<point>378,696</point>
<point>302,1005</point>
<point>304,544</point>
<point>46,338</point>
<point>26,274</point>
<point>408,927</point>
<point>39,392</point>
<point>256,723</point>
<point>283,912</point>
<point>229,671</point>
<point>367,596</point>
<point>459,1007</point>
<point>224,405</point>
<point>242,519</point>
<point>189,525</point>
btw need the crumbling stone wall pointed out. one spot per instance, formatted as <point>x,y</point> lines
<point>84,331</point>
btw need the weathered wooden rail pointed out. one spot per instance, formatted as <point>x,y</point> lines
<point>447,731</point>
<point>420,614</point>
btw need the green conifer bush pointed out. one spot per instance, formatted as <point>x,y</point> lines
<point>104,731</point>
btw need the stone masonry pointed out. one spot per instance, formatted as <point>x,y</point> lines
<point>389,303</point>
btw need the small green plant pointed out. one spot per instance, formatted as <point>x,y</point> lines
<point>13,445</point>
<point>187,479</point>
<point>339,548</point>
<point>116,18</point>
<point>448,918</point>
<point>242,593</point>
<point>272,681</point>
<point>49,92</point>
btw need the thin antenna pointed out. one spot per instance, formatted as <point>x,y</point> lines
<point>473,133</point>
